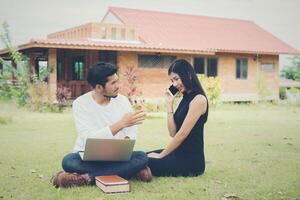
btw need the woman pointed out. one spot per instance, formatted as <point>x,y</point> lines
<point>184,155</point>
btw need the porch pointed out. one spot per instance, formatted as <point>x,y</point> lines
<point>70,66</point>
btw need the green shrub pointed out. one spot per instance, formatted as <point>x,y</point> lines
<point>282,93</point>
<point>5,93</point>
<point>155,106</point>
<point>212,87</point>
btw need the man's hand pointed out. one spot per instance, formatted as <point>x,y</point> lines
<point>132,118</point>
<point>129,119</point>
<point>154,155</point>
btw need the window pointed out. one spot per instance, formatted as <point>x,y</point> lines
<point>6,69</point>
<point>78,68</point>
<point>155,61</point>
<point>123,32</point>
<point>267,67</point>
<point>199,65</point>
<point>108,56</point>
<point>212,66</point>
<point>131,34</point>
<point>206,65</point>
<point>113,33</point>
<point>41,69</point>
<point>59,70</point>
<point>241,68</point>
<point>103,33</point>
<point>23,68</point>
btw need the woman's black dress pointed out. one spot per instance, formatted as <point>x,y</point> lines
<point>188,159</point>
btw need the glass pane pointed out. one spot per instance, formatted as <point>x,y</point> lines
<point>212,66</point>
<point>238,68</point>
<point>78,68</point>
<point>244,72</point>
<point>267,67</point>
<point>113,33</point>
<point>155,61</point>
<point>103,33</point>
<point>245,69</point>
<point>123,34</point>
<point>108,56</point>
<point>81,71</point>
<point>23,69</point>
<point>42,69</point>
<point>199,63</point>
<point>7,71</point>
<point>131,35</point>
<point>59,71</point>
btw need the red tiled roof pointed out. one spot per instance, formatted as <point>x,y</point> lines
<point>172,30</point>
<point>179,33</point>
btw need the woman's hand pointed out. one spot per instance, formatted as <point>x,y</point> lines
<point>154,155</point>
<point>169,100</point>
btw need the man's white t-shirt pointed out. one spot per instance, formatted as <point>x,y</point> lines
<point>93,120</point>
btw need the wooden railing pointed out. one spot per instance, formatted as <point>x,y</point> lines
<point>78,88</point>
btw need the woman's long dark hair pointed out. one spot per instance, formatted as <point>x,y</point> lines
<point>187,75</point>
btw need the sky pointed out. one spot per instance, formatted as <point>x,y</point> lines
<point>37,18</point>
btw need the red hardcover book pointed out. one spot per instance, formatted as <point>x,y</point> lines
<point>112,184</point>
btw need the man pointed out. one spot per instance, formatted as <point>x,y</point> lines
<point>102,113</point>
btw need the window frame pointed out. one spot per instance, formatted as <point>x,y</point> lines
<point>155,57</point>
<point>108,56</point>
<point>206,64</point>
<point>240,75</point>
<point>78,77</point>
<point>123,34</point>
<point>267,70</point>
<point>113,33</point>
<point>7,73</point>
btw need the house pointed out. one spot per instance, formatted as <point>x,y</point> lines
<point>234,50</point>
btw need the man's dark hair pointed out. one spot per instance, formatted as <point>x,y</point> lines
<point>99,72</point>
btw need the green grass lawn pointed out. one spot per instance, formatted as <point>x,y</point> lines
<point>252,151</point>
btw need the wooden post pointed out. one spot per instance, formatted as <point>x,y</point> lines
<point>1,69</point>
<point>31,65</point>
<point>14,72</point>
<point>52,77</point>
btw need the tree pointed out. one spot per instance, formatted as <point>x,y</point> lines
<point>17,92</point>
<point>293,72</point>
<point>33,91</point>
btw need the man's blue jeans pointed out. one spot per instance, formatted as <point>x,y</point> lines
<point>72,163</point>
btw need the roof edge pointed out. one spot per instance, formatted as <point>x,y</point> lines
<point>67,29</point>
<point>38,44</point>
<point>111,9</point>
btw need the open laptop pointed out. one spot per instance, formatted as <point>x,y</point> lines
<point>107,150</point>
